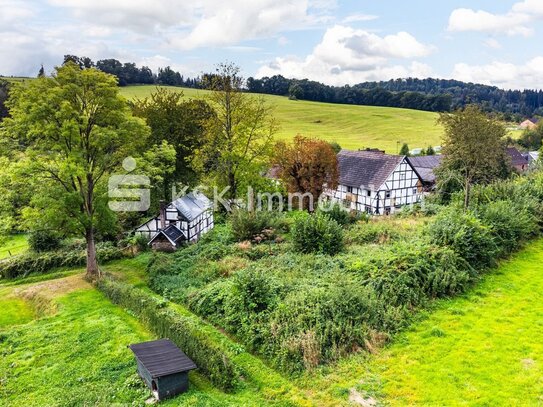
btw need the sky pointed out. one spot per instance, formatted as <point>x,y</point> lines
<point>332,41</point>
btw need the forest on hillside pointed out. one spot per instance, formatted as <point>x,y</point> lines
<point>421,94</point>
<point>434,95</point>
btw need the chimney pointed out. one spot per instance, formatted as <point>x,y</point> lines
<point>162,214</point>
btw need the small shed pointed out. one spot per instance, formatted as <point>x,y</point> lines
<point>163,367</point>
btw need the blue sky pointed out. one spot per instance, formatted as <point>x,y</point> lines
<point>331,41</point>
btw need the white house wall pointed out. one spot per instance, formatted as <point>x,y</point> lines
<point>402,187</point>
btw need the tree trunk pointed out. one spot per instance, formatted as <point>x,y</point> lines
<point>92,264</point>
<point>467,192</point>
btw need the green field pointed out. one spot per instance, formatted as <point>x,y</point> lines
<point>15,244</point>
<point>351,126</point>
<point>483,349</point>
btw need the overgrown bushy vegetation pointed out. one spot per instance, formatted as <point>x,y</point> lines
<point>38,263</point>
<point>44,241</point>
<point>317,233</point>
<point>256,226</point>
<point>305,302</point>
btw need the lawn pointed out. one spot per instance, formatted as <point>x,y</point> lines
<point>481,349</point>
<point>63,343</point>
<point>351,126</point>
<point>15,244</point>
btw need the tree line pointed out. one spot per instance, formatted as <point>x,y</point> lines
<point>437,95</point>
<point>491,98</point>
<point>129,73</point>
<point>354,95</point>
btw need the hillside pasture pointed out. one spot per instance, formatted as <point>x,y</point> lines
<point>349,125</point>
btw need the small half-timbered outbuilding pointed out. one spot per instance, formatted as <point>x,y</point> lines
<point>184,220</point>
<point>376,183</point>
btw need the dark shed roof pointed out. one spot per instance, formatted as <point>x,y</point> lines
<point>172,233</point>
<point>425,165</point>
<point>162,358</point>
<point>516,157</point>
<point>366,168</point>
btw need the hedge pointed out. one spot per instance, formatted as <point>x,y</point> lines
<point>40,263</point>
<point>183,331</point>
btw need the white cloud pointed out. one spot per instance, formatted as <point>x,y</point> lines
<point>516,21</point>
<point>282,41</point>
<point>201,23</point>
<point>502,74</point>
<point>229,22</point>
<point>353,18</point>
<point>139,15</point>
<point>492,43</point>
<point>346,55</point>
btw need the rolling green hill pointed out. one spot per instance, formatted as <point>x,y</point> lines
<point>351,126</point>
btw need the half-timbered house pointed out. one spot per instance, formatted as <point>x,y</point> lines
<point>184,220</point>
<point>374,182</point>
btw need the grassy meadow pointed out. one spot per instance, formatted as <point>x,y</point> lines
<point>13,245</point>
<point>484,347</point>
<point>351,126</point>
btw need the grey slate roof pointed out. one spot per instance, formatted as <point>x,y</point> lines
<point>368,169</point>
<point>172,233</point>
<point>516,157</point>
<point>425,165</point>
<point>162,358</point>
<point>192,205</point>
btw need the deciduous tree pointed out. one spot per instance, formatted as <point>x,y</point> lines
<point>76,129</point>
<point>238,139</point>
<point>306,166</point>
<point>179,122</point>
<point>473,151</point>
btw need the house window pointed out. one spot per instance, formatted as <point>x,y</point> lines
<point>414,191</point>
<point>369,193</point>
<point>387,194</point>
<point>350,190</point>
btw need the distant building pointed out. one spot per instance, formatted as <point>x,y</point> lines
<point>529,124</point>
<point>374,182</point>
<point>518,161</point>
<point>425,166</point>
<point>184,220</point>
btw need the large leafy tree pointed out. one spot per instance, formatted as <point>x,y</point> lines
<point>181,123</point>
<point>75,129</point>
<point>474,151</point>
<point>307,166</point>
<point>239,137</point>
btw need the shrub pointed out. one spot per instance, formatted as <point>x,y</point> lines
<point>340,214</point>
<point>184,331</point>
<point>317,234</point>
<point>372,232</point>
<point>255,225</point>
<point>43,240</point>
<point>464,233</point>
<point>510,222</point>
<point>411,272</point>
<point>39,263</point>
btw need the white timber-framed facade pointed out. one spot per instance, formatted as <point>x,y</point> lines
<point>184,220</point>
<point>376,183</point>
